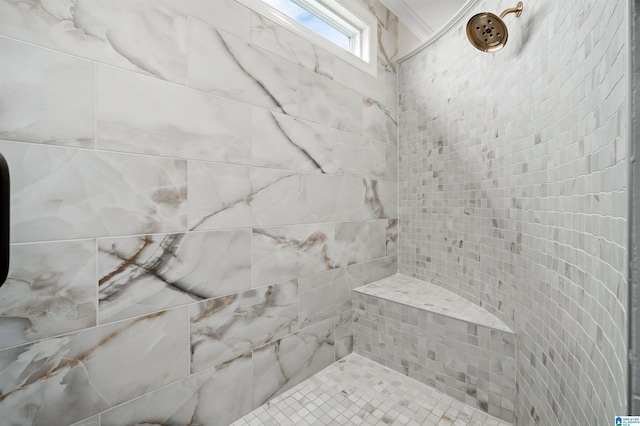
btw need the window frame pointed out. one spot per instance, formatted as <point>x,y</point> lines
<point>348,10</point>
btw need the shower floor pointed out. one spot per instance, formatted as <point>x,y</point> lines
<point>358,391</point>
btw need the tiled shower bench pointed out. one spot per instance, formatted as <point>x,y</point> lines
<point>438,338</point>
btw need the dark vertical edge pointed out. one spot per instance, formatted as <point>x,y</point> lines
<point>4,220</point>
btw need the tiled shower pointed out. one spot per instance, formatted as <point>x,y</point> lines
<point>196,191</point>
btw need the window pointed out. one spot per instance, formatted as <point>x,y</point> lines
<point>342,27</point>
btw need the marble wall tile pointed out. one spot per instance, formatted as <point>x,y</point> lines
<point>392,237</point>
<point>45,97</point>
<point>226,65</point>
<point>283,364</point>
<point>379,122</point>
<point>90,421</point>
<point>357,242</point>
<point>225,196</point>
<point>144,274</point>
<point>66,379</point>
<point>368,85</point>
<point>226,15</point>
<point>285,253</point>
<point>214,397</point>
<point>326,198</point>
<point>232,326</point>
<point>62,193</point>
<point>391,92</point>
<point>327,294</point>
<point>327,102</point>
<point>379,269</point>
<point>50,290</point>
<point>344,334</point>
<point>391,164</point>
<point>286,142</point>
<point>143,36</point>
<point>276,39</point>
<point>380,199</point>
<point>148,116</point>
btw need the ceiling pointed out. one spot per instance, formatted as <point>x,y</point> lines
<point>425,17</point>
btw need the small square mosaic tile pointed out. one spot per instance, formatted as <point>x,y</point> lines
<point>358,391</point>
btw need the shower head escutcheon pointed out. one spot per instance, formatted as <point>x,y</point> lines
<point>488,32</point>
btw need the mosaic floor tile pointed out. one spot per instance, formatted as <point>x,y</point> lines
<point>358,391</point>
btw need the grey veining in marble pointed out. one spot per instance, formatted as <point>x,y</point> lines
<point>276,39</point>
<point>143,36</point>
<point>90,421</point>
<point>50,290</point>
<point>380,199</point>
<point>357,242</point>
<point>325,198</point>
<point>286,142</point>
<point>392,237</point>
<point>228,327</point>
<point>214,397</point>
<point>226,15</point>
<point>283,364</point>
<point>370,86</point>
<point>45,97</point>
<point>285,253</point>
<point>344,334</point>
<point>380,268</point>
<point>378,122</point>
<point>144,274</point>
<point>62,380</point>
<point>327,294</point>
<point>226,196</point>
<point>391,168</point>
<point>326,102</point>
<point>140,114</point>
<point>229,66</point>
<point>63,193</point>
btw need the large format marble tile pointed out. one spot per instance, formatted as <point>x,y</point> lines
<point>144,274</point>
<point>380,199</point>
<point>327,294</point>
<point>226,15</point>
<point>326,198</point>
<point>149,116</point>
<point>62,380</point>
<point>143,35</point>
<point>378,122</point>
<point>379,269</point>
<point>286,142</point>
<point>392,237</point>
<point>327,102</point>
<point>276,39</point>
<point>232,326</point>
<point>45,97</point>
<point>283,364</point>
<point>63,193</point>
<point>50,290</point>
<point>344,334</point>
<point>226,65</point>
<point>357,242</point>
<point>285,253</point>
<point>368,85</point>
<point>224,196</point>
<point>391,163</point>
<point>214,397</point>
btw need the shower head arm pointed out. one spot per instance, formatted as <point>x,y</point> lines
<point>517,10</point>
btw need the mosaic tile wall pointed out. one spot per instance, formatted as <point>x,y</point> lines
<point>469,361</point>
<point>513,193</point>
<point>195,191</point>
